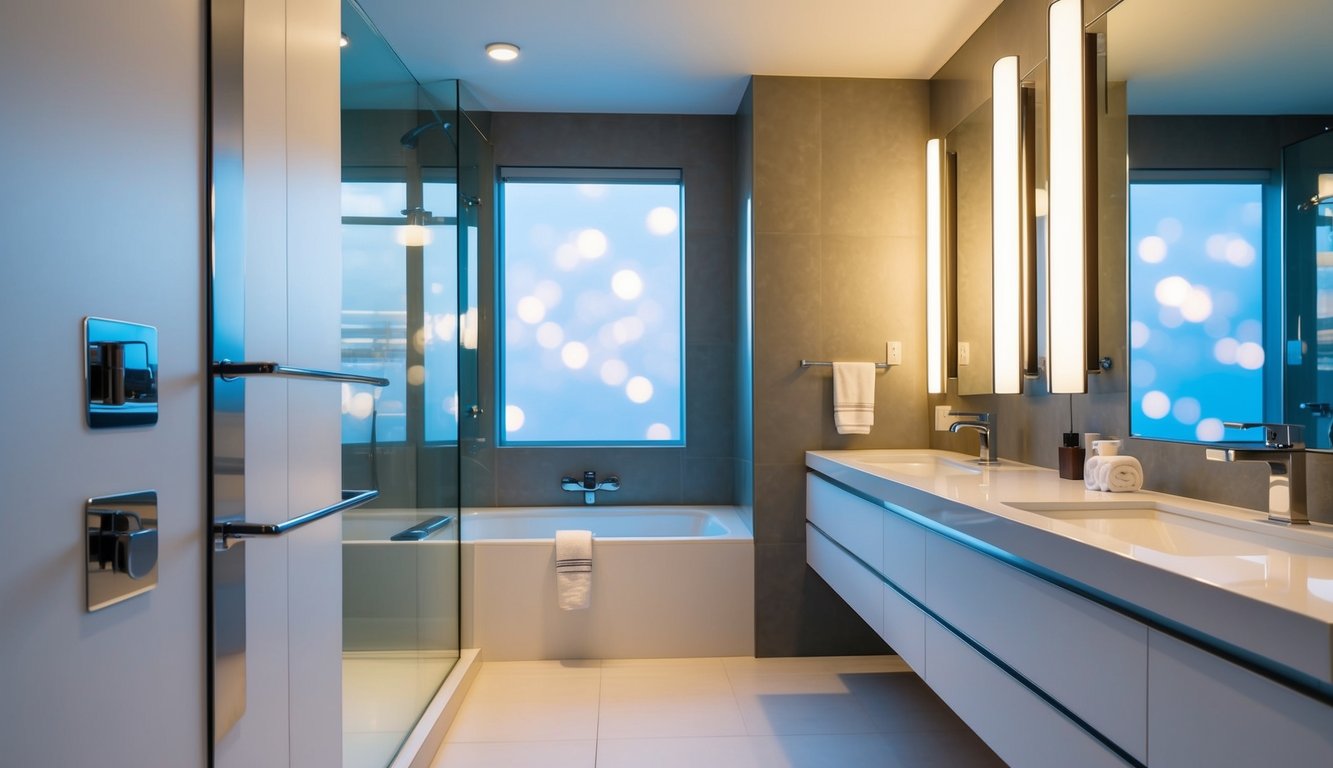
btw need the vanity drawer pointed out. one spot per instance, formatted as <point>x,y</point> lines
<point>1092,660</point>
<point>859,586</point>
<point>1208,711</point>
<point>905,554</point>
<point>1022,728</point>
<point>849,520</point>
<point>905,629</point>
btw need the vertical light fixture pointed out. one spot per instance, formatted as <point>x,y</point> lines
<point>1006,237</point>
<point>1067,256</point>
<point>934,270</point>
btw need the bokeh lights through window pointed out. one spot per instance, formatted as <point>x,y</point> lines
<point>592,328</point>
<point>1196,317</point>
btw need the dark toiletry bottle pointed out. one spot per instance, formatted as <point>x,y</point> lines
<point>1071,458</point>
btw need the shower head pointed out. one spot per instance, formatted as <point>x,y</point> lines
<point>412,137</point>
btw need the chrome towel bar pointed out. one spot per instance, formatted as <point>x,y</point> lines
<point>228,370</point>
<point>229,531</point>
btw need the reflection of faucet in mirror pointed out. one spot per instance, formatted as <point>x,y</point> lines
<point>985,431</point>
<point>1284,453</point>
<point>1321,411</point>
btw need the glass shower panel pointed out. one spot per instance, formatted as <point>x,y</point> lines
<point>1308,246</point>
<point>401,320</point>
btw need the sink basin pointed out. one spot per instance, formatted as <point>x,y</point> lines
<point>1230,549</point>
<point>921,464</point>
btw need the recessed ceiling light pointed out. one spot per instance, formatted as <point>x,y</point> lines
<point>344,41</point>
<point>502,51</point>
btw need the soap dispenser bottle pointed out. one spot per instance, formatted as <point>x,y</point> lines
<point>1071,458</point>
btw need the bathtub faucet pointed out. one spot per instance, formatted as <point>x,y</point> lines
<point>589,485</point>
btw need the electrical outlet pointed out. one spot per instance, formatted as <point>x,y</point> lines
<point>964,353</point>
<point>894,353</point>
<point>942,418</point>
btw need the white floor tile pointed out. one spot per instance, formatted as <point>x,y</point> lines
<point>708,713</point>
<point>542,706</point>
<point>517,754</point>
<point>685,702</point>
<point>901,702</point>
<point>800,704</point>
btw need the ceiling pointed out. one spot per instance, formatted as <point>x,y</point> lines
<point>666,56</point>
<point>1223,57</point>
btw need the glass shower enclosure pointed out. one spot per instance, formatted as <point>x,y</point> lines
<point>404,224</point>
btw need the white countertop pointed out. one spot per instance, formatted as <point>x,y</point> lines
<point>1221,573</point>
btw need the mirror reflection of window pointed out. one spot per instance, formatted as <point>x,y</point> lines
<point>1196,322</point>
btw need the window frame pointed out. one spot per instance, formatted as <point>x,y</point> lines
<point>413,403</point>
<point>1270,272</point>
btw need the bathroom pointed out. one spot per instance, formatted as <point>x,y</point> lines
<point>804,234</point>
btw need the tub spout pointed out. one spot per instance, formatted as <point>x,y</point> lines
<point>589,486</point>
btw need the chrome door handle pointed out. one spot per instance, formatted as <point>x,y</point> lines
<point>227,370</point>
<point>229,532</point>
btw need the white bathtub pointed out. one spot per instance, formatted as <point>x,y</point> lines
<point>399,595</point>
<point>667,582</point>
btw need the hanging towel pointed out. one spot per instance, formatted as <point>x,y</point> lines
<point>573,569</point>
<point>853,397</point>
<point>1120,474</point>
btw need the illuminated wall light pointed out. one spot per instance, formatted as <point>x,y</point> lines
<point>1006,236</point>
<point>1067,257</point>
<point>935,354</point>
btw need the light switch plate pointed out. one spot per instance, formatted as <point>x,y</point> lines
<point>964,353</point>
<point>894,353</point>
<point>942,418</point>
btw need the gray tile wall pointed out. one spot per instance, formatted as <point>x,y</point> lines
<point>704,471</point>
<point>838,226</point>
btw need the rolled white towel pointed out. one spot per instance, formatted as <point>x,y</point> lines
<point>573,569</point>
<point>1120,474</point>
<point>1090,470</point>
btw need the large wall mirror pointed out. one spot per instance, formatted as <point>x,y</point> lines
<point>972,158</point>
<point>969,147</point>
<point>1227,105</point>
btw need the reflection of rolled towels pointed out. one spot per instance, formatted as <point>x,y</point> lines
<point>1090,468</point>
<point>573,569</point>
<point>1120,474</point>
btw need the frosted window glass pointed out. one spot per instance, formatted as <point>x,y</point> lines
<point>591,337</point>
<point>1196,314</point>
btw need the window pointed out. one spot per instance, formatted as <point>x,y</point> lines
<point>1196,317</point>
<point>592,312</point>
<point>390,253</point>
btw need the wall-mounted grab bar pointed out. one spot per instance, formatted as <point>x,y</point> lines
<point>228,370</point>
<point>423,529</point>
<point>229,531</point>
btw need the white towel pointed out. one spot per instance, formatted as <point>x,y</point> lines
<point>853,397</point>
<point>1090,470</point>
<point>1120,474</point>
<point>573,569</point>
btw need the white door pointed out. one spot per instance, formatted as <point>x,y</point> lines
<point>101,213</point>
<point>280,702</point>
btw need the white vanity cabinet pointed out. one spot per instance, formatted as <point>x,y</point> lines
<point>865,551</point>
<point>1208,711</point>
<point>1061,644</point>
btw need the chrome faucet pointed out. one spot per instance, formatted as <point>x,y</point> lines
<point>589,486</point>
<point>1284,453</point>
<point>985,431</point>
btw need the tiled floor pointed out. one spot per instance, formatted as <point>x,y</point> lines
<point>705,713</point>
<point>383,695</point>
